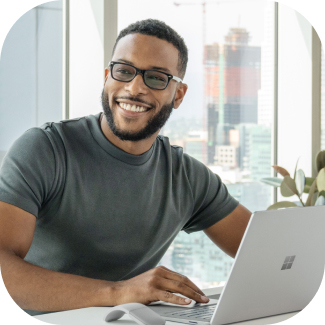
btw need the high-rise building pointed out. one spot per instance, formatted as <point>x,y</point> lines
<point>195,143</point>
<point>226,156</point>
<point>254,153</point>
<point>255,196</point>
<point>199,258</point>
<point>232,81</point>
<point>238,150</point>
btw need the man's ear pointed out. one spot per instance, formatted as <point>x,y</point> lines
<point>106,75</point>
<point>180,93</point>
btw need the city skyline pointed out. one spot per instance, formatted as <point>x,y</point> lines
<point>235,142</point>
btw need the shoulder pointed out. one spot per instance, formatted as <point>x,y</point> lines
<point>180,159</point>
<point>70,132</point>
<point>164,141</point>
<point>175,154</point>
<point>48,139</point>
<point>64,126</point>
<point>34,139</point>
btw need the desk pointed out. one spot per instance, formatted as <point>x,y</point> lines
<point>95,316</point>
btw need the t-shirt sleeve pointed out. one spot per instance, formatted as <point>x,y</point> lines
<point>211,199</point>
<point>27,172</point>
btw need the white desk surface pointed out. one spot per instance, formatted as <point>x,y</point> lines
<point>95,316</point>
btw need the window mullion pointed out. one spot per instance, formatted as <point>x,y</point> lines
<point>316,98</point>
<point>275,116</point>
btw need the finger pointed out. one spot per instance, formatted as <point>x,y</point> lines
<point>171,298</point>
<point>181,278</point>
<point>175,286</point>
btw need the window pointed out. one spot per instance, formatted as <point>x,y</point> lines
<point>228,108</point>
<point>30,73</point>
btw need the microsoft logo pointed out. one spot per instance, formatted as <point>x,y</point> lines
<point>288,262</point>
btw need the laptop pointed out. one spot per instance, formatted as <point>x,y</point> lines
<point>278,269</point>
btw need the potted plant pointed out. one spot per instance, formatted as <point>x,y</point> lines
<point>299,184</point>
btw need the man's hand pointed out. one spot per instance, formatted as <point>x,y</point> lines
<point>158,284</point>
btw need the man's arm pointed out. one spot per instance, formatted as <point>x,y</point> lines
<point>33,287</point>
<point>228,232</point>
<point>36,288</point>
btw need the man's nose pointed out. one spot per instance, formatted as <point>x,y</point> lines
<point>136,86</point>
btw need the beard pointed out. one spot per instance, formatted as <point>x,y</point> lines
<point>154,124</point>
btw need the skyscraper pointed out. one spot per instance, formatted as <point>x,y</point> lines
<point>255,150</point>
<point>232,81</point>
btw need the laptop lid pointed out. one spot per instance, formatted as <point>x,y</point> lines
<point>279,265</point>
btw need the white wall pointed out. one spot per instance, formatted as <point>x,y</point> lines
<point>30,73</point>
<point>295,91</point>
<point>89,53</point>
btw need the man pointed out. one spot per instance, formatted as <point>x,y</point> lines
<point>89,206</point>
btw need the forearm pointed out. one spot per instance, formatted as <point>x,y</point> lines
<point>36,288</point>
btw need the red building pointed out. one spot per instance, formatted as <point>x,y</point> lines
<point>232,81</point>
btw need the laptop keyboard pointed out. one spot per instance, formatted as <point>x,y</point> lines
<point>199,312</point>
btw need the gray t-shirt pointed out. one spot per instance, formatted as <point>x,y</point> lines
<point>101,212</point>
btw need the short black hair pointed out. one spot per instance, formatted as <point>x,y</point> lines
<point>157,28</point>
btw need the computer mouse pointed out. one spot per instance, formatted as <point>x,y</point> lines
<point>140,313</point>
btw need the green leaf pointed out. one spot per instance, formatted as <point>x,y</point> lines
<point>320,160</point>
<point>312,191</point>
<point>288,187</point>
<point>320,200</point>
<point>309,182</point>
<point>274,181</point>
<point>280,205</point>
<point>300,181</point>
<point>294,177</point>
<point>322,193</point>
<point>321,180</point>
<point>306,189</point>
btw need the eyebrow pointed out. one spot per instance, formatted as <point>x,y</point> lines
<point>151,68</point>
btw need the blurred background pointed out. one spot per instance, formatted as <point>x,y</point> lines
<point>256,77</point>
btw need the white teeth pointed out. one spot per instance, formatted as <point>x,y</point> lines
<point>132,108</point>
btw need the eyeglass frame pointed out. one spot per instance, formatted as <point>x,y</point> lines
<point>142,72</point>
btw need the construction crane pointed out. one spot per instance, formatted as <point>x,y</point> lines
<point>203,4</point>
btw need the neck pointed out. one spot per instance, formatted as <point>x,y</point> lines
<point>133,147</point>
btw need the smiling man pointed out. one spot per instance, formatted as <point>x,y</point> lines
<point>89,206</point>
<point>142,100</point>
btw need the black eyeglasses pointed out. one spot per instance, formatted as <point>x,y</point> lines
<point>152,78</point>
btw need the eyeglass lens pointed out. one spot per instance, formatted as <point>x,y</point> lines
<point>152,78</point>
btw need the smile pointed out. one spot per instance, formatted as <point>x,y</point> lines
<point>133,108</point>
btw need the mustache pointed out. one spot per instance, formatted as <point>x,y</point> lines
<point>135,99</point>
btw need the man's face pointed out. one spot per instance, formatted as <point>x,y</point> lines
<point>143,52</point>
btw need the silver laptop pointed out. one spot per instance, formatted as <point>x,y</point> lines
<point>278,269</point>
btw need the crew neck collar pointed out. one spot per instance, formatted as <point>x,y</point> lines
<point>110,148</point>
